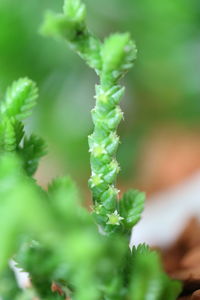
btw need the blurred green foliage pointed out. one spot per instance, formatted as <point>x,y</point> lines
<point>163,88</point>
<point>54,238</point>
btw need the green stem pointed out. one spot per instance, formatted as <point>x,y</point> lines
<point>111,60</point>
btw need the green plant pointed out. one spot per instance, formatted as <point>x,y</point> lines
<point>49,233</point>
<point>111,60</point>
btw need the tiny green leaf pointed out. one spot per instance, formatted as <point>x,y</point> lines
<point>31,151</point>
<point>75,10</point>
<point>148,280</point>
<point>131,207</point>
<point>58,25</point>
<point>71,26</point>
<point>8,142</point>
<point>118,53</point>
<point>20,99</point>
<point>64,190</point>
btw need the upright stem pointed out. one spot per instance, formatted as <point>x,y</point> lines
<point>103,144</point>
<point>111,60</point>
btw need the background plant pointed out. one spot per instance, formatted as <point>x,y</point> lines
<point>51,235</point>
<point>162,90</point>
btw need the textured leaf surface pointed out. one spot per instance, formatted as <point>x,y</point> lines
<point>8,136</point>
<point>118,54</point>
<point>131,207</point>
<point>148,281</point>
<point>20,99</point>
<point>32,150</point>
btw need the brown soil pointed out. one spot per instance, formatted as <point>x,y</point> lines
<point>168,156</point>
<point>182,260</point>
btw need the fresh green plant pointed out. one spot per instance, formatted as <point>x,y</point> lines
<point>111,60</point>
<point>68,251</point>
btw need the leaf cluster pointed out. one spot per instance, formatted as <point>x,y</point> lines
<point>56,240</point>
<point>17,105</point>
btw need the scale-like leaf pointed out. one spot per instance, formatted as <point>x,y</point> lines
<point>118,53</point>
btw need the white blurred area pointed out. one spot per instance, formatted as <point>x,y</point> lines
<point>22,277</point>
<point>167,212</point>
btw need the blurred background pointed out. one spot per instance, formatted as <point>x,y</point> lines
<point>160,149</point>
